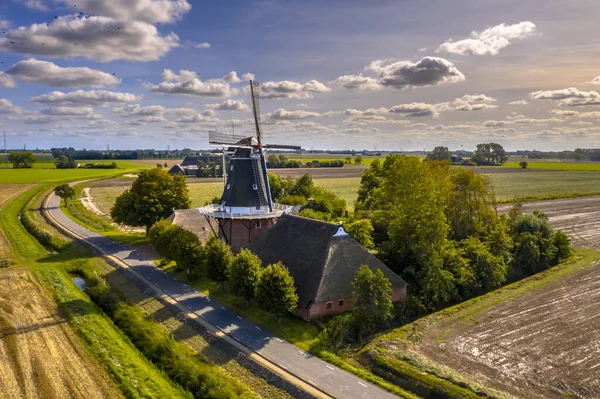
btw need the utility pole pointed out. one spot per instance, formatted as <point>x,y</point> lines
<point>5,147</point>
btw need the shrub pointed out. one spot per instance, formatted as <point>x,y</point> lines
<point>361,230</point>
<point>523,164</point>
<point>294,200</point>
<point>218,260</point>
<point>161,235</point>
<point>244,275</point>
<point>563,246</point>
<point>276,292</point>
<point>186,250</point>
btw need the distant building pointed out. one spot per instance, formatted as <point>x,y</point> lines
<point>190,165</point>
<point>323,260</point>
<point>176,170</point>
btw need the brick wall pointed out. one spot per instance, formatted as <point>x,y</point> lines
<point>240,233</point>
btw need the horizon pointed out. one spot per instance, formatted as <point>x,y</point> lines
<point>361,76</point>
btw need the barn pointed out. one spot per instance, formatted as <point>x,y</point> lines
<point>323,260</point>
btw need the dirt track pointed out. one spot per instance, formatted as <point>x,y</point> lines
<point>579,218</point>
<point>39,355</point>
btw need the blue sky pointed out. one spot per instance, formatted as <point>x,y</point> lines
<point>336,74</point>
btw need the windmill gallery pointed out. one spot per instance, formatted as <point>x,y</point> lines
<point>321,257</point>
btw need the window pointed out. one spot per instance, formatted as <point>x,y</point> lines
<point>228,186</point>
<point>258,224</point>
<point>231,167</point>
<point>340,302</point>
<point>254,186</point>
<point>329,305</point>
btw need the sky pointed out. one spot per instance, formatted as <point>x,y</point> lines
<point>374,75</point>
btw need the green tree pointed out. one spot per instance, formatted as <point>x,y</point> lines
<point>369,192</point>
<point>161,235</point>
<point>186,250</point>
<point>361,230</point>
<point>21,160</point>
<point>490,270</point>
<point>563,246</point>
<point>523,164</point>
<point>358,160</point>
<point>276,292</point>
<point>372,293</point>
<point>490,154</point>
<point>65,192</point>
<point>244,274</point>
<point>218,260</point>
<point>439,154</point>
<point>65,162</point>
<point>304,186</point>
<point>153,196</point>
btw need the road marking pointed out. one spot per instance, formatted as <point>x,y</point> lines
<point>239,318</point>
<point>219,327</point>
<point>258,328</point>
<point>259,353</point>
<point>223,307</point>
<point>364,385</point>
<point>310,382</point>
<point>278,340</point>
<point>329,367</point>
<point>282,366</point>
<point>304,354</point>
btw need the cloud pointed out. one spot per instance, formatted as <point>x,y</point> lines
<point>288,89</point>
<point>428,71</point>
<point>596,80</point>
<point>473,102</point>
<point>7,80</point>
<point>188,83</point>
<point>367,112</point>
<point>422,49</point>
<point>47,73</point>
<point>415,110</point>
<point>98,38</point>
<point>150,11</point>
<point>4,24</point>
<point>135,110</point>
<point>570,97</point>
<point>81,98</point>
<point>203,45</point>
<point>495,123</point>
<point>571,113</point>
<point>518,102</point>
<point>7,107</point>
<point>357,82</point>
<point>564,113</point>
<point>282,114</point>
<point>248,76</point>
<point>231,77</point>
<point>34,4</point>
<point>230,105</point>
<point>68,111</point>
<point>363,120</point>
<point>490,41</point>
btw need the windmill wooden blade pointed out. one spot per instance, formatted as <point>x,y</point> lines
<point>254,89</point>
<point>215,137</point>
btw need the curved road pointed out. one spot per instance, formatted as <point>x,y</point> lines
<point>312,370</point>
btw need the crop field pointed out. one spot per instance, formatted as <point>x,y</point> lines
<point>537,338</point>
<point>39,356</point>
<point>7,193</point>
<point>40,175</point>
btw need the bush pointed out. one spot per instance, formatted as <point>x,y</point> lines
<point>245,272</point>
<point>161,235</point>
<point>523,164</point>
<point>276,292</point>
<point>218,260</point>
<point>186,250</point>
<point>361,230</point>
<point>294,200</point>
<point>563,246</point>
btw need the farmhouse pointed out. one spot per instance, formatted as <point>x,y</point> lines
<point>176,170</point>
<point>323,260</point>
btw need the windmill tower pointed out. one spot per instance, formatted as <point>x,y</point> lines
<point>246,209</point>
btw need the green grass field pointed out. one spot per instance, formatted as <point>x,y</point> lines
<point>532,164</point>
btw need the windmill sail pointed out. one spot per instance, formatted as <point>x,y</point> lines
<point>254,88</point>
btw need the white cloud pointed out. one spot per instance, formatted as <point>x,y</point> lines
<point>34,4</point>
<point>490,41</point>
<point>230,105</point>
<point>495,123</point>
<point>135,110</point>
<point>282,114</point>
<point>357,82</point>
<point>81,98</point>
<point>209,112</point>
<point>231,77</point>
<point>7,107</point>
<point>47,73</point>
<point>99,38</point>
<point>428,71</point>
<point>473,102</point>
<point>422,49</point>
<point>150,11</point>
<point>366,112</point>
<point>415,110</point>
<point>518,102</point>
<point>564,113</point>
<point>4,24</point>
<point>363,120</point>
<point>302,105</point>
<point>7,80</point>
<point>570,96</point>
<point>68,111</point>
<point>596,80</point>
<point>248,76</point>
<point>188,83</point>
<point>288,89</point>
<point>203,45</point>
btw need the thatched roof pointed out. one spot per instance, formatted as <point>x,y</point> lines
<point>190,161</point>
<point>322,258</point>
<point>176,170</point>
<point>194,221</point>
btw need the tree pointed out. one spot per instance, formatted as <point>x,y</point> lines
<point>490,270</point>
<point>21,160</point>
<point>153,196</point>
<point>563,246</point>
<point>244,274</point>
<point>276,292</point>
<point>186,250</point>
<point>372,299</point>
<point>304,186</point>
<point>65,192</point>
<point>490,154</point>
<point>361,230</point>
<point>348,160</point>
<point>439,154</point>
<point>358,160</point>
<point>218,260</point>
<point>161,236</point>
<point>159,165</point>
<point>65,162</point>
<point>523,164</point>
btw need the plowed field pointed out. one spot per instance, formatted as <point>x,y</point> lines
<point>39,355</point>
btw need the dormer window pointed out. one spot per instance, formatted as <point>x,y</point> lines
<point>228,186</point>
<point>255,186</point>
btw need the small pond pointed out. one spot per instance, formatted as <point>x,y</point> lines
<point>79,282</point>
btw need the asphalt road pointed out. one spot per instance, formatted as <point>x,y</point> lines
<point>337,383</point>
<point>579,218</point>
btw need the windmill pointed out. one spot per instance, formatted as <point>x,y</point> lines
<point>246,204</point>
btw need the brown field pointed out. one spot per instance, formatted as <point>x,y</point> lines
<point>8,192</point>
<point>39,355</point>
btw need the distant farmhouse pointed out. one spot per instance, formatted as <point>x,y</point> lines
<point>189,165</point>
<point>321,257</point>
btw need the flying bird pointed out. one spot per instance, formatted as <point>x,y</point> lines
<point>12,42</point>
